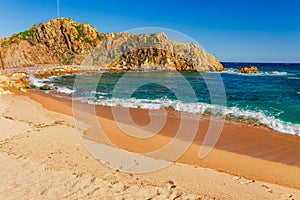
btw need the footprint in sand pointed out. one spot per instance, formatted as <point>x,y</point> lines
<point>267,189</point>
<point>287,196</point>
<point>245,181</point>
<point>171,184</point>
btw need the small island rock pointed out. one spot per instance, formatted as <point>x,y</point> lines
<point>248,70</point>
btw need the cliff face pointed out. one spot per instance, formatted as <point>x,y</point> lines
<point>59,41</point>
<point>125,51</point>
<point>65,42</point>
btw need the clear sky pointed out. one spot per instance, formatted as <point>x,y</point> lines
<point>232,30</point>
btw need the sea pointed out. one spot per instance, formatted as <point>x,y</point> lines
<point>269,98</point>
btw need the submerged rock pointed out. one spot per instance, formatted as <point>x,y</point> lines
<point>45,87</point>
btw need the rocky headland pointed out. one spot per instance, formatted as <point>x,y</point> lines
<point>62,46</point>
<point>65,42</point>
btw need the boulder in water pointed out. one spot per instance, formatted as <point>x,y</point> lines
<point>248,70</point>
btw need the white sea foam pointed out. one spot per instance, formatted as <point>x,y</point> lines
<point>40,82</point>
<point>64,90</point>
<point>276,73</point>
<point>200,108</point>
<point>99,93</point>
<point>273,73</point>
<point>36,81</point>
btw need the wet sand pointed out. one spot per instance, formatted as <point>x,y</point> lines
<point>245,150</point>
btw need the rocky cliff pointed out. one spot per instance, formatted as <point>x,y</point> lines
<point>59,41</point>
<point>65,42</point>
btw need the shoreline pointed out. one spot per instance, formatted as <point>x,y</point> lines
<point>42,157</point>
<point>253,152</point>
<point>282,126</point>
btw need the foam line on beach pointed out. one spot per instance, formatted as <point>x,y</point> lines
<point>199,108</point>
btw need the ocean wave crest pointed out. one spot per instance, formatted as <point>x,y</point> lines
<point>294,78</point>
<point>36,81</point>
<point>261,73</point>
<point>64,90</point>
<point>200,108</point>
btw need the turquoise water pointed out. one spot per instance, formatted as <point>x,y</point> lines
<point>271,97</point>
<point>276,94</point>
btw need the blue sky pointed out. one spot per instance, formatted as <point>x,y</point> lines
<point>232,30</point>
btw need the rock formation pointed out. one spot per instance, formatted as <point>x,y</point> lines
<point>64,42</point>
<point>16,81</point>
<point>59,41</point>
<point>125,51</point>
<point>248,70</point>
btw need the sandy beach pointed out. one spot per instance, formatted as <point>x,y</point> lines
<point>42,157</point>
<point>150,100</point>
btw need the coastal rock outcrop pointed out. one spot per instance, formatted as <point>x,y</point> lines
<point>64,42</point>
<point>248,70</point>
<point>60,41</point>
<point>15,81</point>
<point>125,51</point>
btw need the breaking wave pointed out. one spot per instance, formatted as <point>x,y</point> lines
<point>198,108</point>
